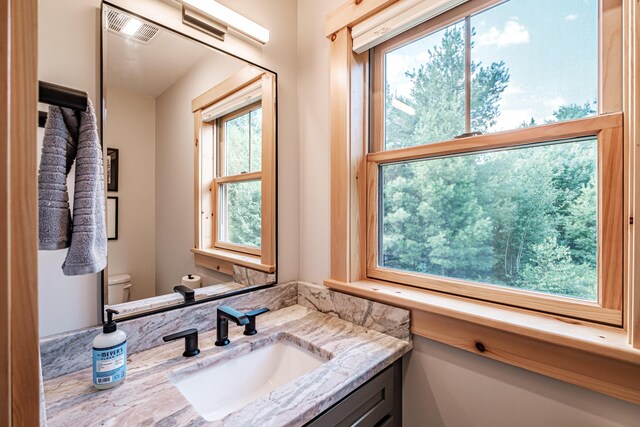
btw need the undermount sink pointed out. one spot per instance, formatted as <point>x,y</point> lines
<point>228,385</point>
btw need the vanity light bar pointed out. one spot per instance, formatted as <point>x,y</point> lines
<point>229,18</point>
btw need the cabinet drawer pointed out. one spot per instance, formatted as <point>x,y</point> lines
<point>378,402</point>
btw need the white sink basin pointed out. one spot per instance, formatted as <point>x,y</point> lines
<point>227,386</point>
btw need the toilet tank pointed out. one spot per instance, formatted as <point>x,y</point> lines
<point>119,288</point>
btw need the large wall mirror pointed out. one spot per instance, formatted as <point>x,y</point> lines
<point>189,144</point>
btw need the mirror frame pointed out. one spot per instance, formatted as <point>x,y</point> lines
<point>104,273</point>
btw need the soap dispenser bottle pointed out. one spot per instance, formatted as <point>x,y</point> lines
<point>109,355</point>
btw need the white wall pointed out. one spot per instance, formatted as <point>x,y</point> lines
<point>443,386</point>
<point>130,127</point>
<point>175,174</point>
<point>68,49</point>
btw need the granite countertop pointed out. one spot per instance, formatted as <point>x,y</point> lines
<point>148,397</point>
<point>141,306</point>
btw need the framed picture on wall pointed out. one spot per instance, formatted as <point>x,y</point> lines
<point>112,218</point>
<point>112,169</point>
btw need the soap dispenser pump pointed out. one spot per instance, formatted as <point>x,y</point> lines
<point>109,355</point>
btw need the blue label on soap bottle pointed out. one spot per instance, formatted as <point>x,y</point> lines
<point>109,364</point>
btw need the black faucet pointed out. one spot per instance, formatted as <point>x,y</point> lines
<point>190,341</point>
<point>225,314</point>
<point>186,292</point>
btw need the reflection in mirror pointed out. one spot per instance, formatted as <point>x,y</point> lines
<point>151,75</point>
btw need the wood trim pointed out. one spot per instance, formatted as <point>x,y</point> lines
<point>251,176</point>
<point>631,25</point>
<point>544,133</point>
<point>597,339</point>
<point>234,83</point>
<point>551,304</point>
<point>268,228</point>
<point>340,89</point>
<point>358,167</point>
<point>197,202</point>
<point>373,227</point>
<point>602,374</point>
<point>245,249</point>
<point>611,218</point>
<point>249,261</point>
<point>214,264</point>
<point>377,109</point>
<point>5,226</point>
<point>353,12</point>
<point>348,86</point>
<point>19,347</point>
<point>610,59</point>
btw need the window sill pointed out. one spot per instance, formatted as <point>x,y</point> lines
<point>589,355</point>
<point>230,257</point>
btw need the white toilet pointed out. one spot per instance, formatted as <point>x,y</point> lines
<point>119,288</point>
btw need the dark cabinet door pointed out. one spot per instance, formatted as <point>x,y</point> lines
<point>376,403</point>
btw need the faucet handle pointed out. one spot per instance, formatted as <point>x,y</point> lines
<point>190,342</point>
<point>250,328</point>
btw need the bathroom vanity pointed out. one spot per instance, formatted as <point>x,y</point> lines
<point>319,357</point>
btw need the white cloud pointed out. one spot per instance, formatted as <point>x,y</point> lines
<point>571,17</point>
<point>512,118</point>
<point>513,33</point>
<point>555,102</point>
<point>512,89</point>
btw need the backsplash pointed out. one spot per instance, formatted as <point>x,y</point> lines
<point>370,314</point>
<point>69,352</point>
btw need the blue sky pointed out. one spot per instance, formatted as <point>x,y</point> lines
<point>550,48</point>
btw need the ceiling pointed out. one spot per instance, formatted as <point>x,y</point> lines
<point>150,69</point>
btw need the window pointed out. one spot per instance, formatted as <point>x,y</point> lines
<point>235,174</point>
<point>496,172</point>
<point>237,184</point>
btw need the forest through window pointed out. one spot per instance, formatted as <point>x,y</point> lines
<point>241,201</point>
<point>525,217</point>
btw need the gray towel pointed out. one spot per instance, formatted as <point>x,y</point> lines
<point>88,251</point>
<point>86,237</point>
<point>58,152</point>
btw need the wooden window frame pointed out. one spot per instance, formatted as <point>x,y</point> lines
<point>222,178</point>
<point>559,346</point>
<point>606,127</point>
<point>209,251</point>
<point>608,130</point>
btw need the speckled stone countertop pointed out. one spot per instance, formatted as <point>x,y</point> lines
<point>354,355</point>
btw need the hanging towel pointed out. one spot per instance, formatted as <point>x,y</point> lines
<point>58,152</point>
<point>88,250</point>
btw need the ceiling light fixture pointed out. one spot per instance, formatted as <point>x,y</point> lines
<point>131,27</point>
<point>229,18</point>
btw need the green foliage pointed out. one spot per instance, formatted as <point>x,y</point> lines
<point>438,96</point>
<point>524,218</point>
<point>243,151</point>
<point>244,213</point>
<point>574,111</point>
